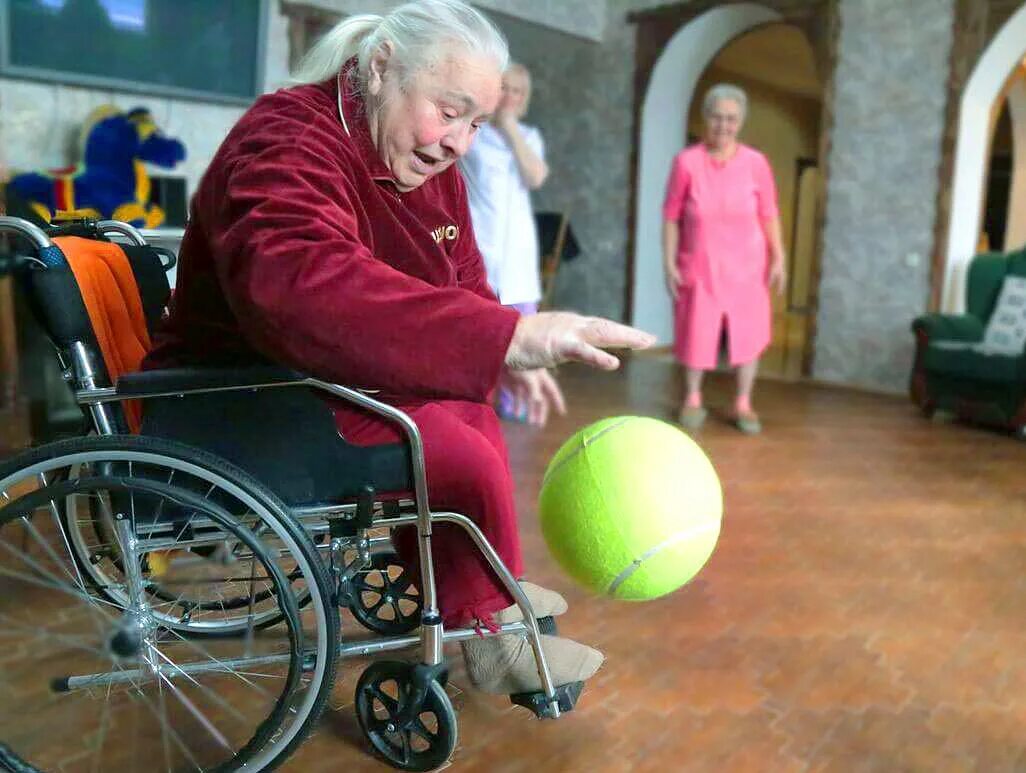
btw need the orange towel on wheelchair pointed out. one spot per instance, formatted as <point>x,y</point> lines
<point>111,297</point>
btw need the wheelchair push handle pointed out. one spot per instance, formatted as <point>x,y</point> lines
<point>12,262</point>
<point>30,231</point>
<point>40,239</point>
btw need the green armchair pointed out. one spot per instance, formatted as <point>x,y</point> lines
<point>950,374</point>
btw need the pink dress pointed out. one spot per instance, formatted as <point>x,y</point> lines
<point>723,255</point>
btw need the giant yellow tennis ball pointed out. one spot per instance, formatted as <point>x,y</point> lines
<point>630,507</point>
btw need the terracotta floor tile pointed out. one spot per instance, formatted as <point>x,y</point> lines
<point>863,611</point>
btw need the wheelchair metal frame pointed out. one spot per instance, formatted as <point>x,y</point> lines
<point>82,373</point>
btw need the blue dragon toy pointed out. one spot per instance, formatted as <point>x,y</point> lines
<point>111,182</point>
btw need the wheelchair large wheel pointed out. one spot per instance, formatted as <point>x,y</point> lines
<point>90,683</point>
<point>90,535</point>
<point>427,739</point>
<point>384,596</point>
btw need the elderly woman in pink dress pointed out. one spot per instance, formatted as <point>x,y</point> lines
<point>722,252</point>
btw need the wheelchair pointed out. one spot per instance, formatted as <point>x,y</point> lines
<point>170,598</point>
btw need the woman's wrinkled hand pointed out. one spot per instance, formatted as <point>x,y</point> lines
<point>547,339</point>
<point>535,393</point>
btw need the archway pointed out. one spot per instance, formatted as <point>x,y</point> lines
<point>662,133</point>
<point>752,46</point>
<point>982,92</point>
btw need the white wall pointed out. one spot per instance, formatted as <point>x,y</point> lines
<point>663,133</point>
<point>981,93</point>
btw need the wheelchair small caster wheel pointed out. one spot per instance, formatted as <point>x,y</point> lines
<point>409,736</point>
<point>383,596</point>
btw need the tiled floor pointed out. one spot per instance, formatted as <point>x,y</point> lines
<point>864,609</point>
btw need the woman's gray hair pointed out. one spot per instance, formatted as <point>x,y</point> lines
<point>419,33</point>
<point>724,91</point>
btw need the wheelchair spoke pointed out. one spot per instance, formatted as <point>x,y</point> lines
<point>217,699</point>
<point>34,532</point>
<point>420,729</point>
<point>46,636</point>
<point>185,527</point>
<point>131,505</point>
<point>404,580</point>
<point>104,725</point>
<point>166,731</point>
<point>404,736</point>
<point>395,608</point>
<point>391,704</point>
<point>190,706</point>
<point>252,602</point>
<point>157,512</point>
<point>58,584</point>
<point>226,654</point>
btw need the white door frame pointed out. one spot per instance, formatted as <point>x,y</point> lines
<point>663,132</point>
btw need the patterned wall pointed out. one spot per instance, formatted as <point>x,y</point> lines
<point>889,104</point>
<point>582,104</point>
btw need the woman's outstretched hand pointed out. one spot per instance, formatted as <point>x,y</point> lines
<point>552,337</point>
<point>535,394</point>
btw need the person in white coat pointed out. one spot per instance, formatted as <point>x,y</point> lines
<point>505,163</point>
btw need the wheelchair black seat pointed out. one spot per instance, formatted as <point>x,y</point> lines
<point>283,436</point>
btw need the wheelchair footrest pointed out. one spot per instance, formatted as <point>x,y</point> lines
<point>538,704</point>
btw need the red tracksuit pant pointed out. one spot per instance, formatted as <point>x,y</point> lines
<point>467,472</point>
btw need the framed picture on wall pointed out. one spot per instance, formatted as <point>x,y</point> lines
<point>200,49</point>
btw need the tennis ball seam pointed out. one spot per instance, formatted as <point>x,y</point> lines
<point>584,444</point>
<point>670,541</point>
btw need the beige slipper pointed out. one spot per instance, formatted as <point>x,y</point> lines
<point>545,603</point>
<point>505,665</point>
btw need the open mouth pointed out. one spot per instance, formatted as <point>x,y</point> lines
<point>427,160</point>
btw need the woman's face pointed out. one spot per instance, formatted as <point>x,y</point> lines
<point>422,127</point>
<point>722,123</point>
<point>515,89</point>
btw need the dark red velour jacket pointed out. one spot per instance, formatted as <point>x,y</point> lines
<point>301,251</point>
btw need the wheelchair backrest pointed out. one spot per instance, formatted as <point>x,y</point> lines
<point>57,300</point>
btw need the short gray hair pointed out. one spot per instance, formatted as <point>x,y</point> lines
<point>725,91</point>
<point>420,34</point>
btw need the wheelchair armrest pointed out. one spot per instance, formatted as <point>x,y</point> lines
<point>150,383</point>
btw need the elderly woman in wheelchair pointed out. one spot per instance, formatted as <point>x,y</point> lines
<point>172,595</point>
